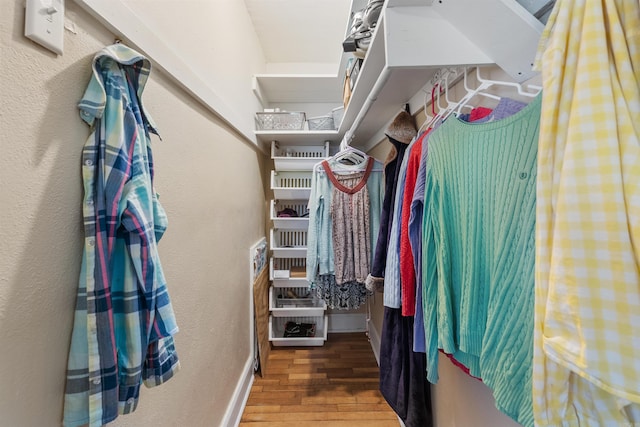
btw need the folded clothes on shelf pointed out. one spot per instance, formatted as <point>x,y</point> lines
<point>287,213</point>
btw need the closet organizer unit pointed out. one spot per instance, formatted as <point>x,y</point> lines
<point>297,315</point>
<point>413,40</point>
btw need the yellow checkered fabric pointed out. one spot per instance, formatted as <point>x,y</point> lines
<point>587,314</point>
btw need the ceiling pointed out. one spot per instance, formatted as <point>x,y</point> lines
<point>312,31</point>
<point>304,38</point>
<point>300,31</point>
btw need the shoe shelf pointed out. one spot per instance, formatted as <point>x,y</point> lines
<point>311,330</point>
<point>298,301</point>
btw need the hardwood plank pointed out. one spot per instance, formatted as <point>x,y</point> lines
<point>335,385</point>
<point>319,416</point>
<point>336,400</point>
<point>331,423</point>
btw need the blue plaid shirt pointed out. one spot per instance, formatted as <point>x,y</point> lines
<point>123,324</point>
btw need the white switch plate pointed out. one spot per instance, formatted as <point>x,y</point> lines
<point>44,23</point>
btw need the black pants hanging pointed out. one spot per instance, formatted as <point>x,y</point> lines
<point>403,378</point>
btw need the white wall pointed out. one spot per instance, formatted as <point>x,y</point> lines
<point>211,183</point>
<point>217,40</point>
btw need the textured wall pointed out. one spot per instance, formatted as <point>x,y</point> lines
<point>211,184</point>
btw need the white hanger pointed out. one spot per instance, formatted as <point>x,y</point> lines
<point>451,105</point>
<point>518,86</point>
<point>445,112</point>
<point>469,90</point>
<point>350,156</point>
<point>435,100</point>
<point>427,118</point>
<point>353,159</point>
<point>486,84</point>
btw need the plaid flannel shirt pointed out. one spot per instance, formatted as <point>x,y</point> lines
<point>124,322</point>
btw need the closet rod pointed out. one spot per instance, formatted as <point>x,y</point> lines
<point>373,95</point>
<point>544,9</point>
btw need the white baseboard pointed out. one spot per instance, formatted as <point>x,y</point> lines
<point>347,322</point>
<point>374,339</point>
<point>240,395</point>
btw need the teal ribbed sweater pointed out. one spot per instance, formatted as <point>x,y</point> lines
<point>479,252</point>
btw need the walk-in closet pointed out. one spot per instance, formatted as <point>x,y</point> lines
<point>290,213</point>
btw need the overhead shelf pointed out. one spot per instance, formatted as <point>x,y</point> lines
<point>412,41</point>
<point>287,88</point>
<point>298,137</point>
<point>409,46</point>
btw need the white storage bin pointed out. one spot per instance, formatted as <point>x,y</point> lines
<point>321,123</point>
<point>288,272</point>
<point>277,327</point>
<point>288,243</point>
<point>337,114</point>
<point>280,120</point>
<point>297,158</point>
<point>287,302</point>
<point>291,185</point>
<point>299,221</point>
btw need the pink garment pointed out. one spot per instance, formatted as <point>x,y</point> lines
<point>407,271</point>
<point>459,365</point>
<point>479,113</point>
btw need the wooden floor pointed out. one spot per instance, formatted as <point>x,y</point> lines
<point>335,385</point>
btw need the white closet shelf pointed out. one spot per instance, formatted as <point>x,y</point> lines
<point>291,185</point>
<point>277,327</point>
<point>289,223</point>
<point>299,137</point>
<point>288,243</point>
<point>415,38</point>
<point>409,46</point>
<point>283,275</point>
<point>294,157</point>
<point>293,88</point>
<point>301,303</point>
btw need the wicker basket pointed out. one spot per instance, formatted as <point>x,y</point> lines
<point>280,120</point>
<point>337,114</point>
<point>321,123</point>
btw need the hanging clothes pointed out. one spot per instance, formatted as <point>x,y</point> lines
<point>403,381</point>
<point>506,107</point>
<point>392,285</point>
<point>124,323</point>
<point>350,224</point>
<point>587,325</point>
<point>407,268</point>
<point>344,217</point>
<point>407,263</point>
<point>478,263</point>
<point>400,133</point>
